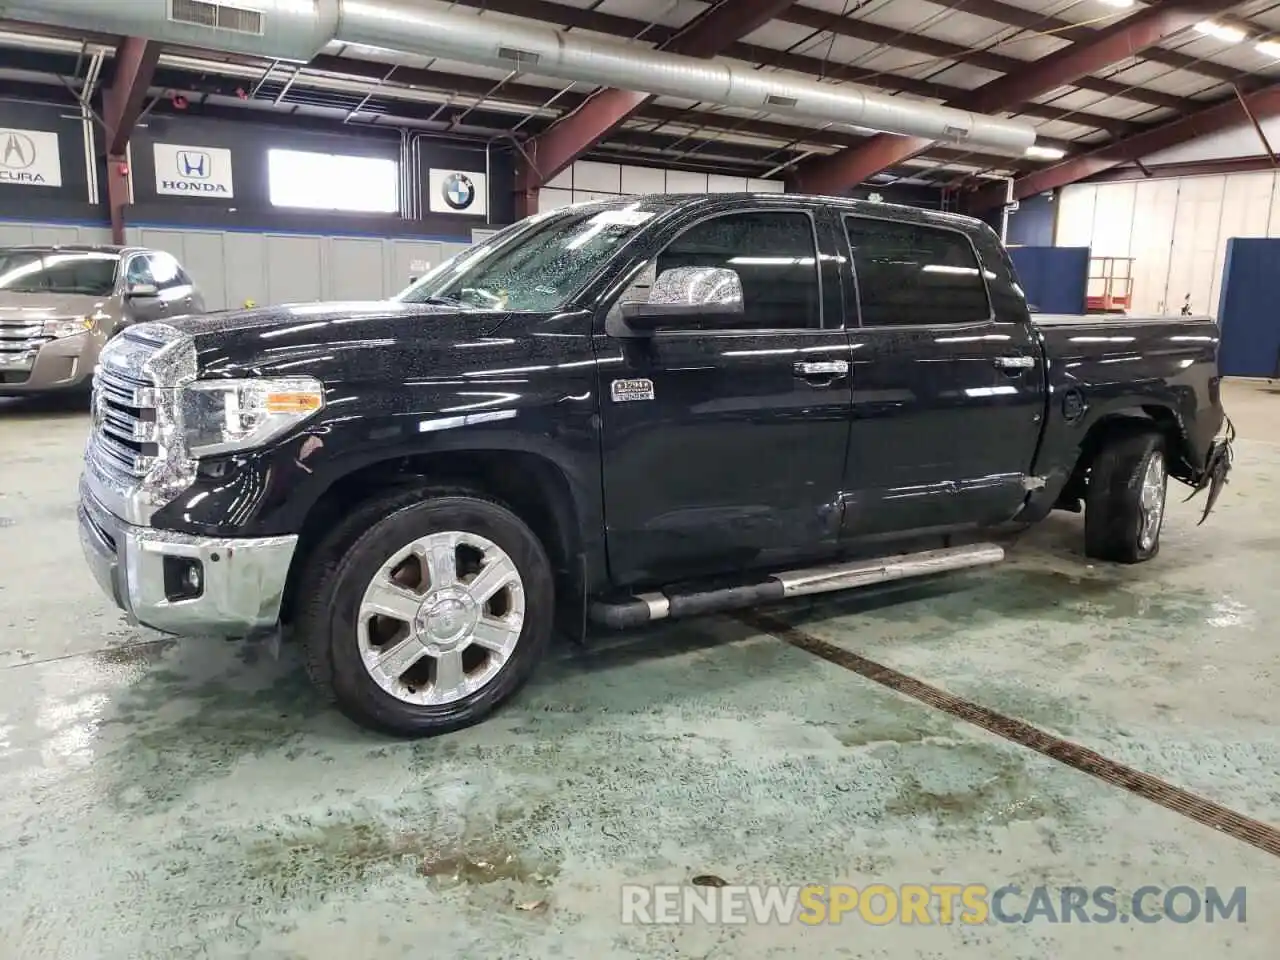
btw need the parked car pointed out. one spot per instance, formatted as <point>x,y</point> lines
<point>60,304</point>
<point>624,412</point>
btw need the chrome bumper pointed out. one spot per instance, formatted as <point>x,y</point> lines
<point>242,580</point>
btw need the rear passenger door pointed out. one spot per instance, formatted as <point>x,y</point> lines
<point>727,449</point>
<point>947,397</point>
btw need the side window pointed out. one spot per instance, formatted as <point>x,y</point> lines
<point>911,274</point>
<point>775,255</point>
<point>166,271</point>
<point>138,271</point>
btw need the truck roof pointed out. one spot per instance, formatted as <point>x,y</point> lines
<point>70,247</point>
<point>664,202</point>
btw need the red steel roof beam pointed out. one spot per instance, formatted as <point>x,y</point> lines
<point>1263,103</point>
<point>569,138</point>
<point>1111,45</point>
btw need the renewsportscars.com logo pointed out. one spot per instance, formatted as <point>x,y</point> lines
<point>972,904</point>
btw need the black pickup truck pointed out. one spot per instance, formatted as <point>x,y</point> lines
<point>621,412</point>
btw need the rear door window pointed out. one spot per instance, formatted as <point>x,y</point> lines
<point>909,274</point>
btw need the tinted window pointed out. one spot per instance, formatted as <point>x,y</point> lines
<point>139,271</point>
<point>166,271</point>
<point>29,271</point>
<point>913,274</point>
<point>775,255</point>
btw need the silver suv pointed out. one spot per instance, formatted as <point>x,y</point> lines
<point>59,305</point>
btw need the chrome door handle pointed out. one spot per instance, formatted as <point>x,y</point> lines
<point>1015,363</point>
<point>817,368</point>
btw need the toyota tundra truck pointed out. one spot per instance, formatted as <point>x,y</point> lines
<point>617,413</point>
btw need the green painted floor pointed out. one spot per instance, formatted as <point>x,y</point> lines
<point>162,799</point>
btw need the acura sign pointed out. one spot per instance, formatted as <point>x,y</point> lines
<point>30,158</point>
<point>193,171</point>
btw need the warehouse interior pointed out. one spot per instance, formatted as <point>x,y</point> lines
<point>1053,726</point>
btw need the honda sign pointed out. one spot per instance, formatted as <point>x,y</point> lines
<point>29,158</point>
<point>193,171</point>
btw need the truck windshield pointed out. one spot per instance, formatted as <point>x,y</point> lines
<point>537,269</point>
<point>34,271</point>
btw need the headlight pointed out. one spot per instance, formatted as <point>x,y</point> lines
<point>67,328</point>
<point>221,416</point>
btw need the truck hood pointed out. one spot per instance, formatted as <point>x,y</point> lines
<point>320,338</point>
<point>36,307</point>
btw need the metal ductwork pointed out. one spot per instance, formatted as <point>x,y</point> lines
<point>299,29</point>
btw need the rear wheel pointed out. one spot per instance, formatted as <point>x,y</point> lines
<point>1125,500</point>
<point>430,619</point>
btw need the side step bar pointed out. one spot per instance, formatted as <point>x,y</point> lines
<point>673,603</point>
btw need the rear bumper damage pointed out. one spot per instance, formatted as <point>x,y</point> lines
<point>1212,475</point>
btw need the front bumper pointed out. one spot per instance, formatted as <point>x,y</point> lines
<point>51,365</point>
<point>242,580</point>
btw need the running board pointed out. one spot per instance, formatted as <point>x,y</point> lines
<point>673,603</point>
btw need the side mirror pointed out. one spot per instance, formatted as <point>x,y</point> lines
<point>706,293</point>
<point>142,290</point>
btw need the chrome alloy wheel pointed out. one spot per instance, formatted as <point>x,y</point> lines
<point>1151,501</point>
<point>440,618</point>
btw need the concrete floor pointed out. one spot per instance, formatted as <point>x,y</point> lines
<point>162,799</point>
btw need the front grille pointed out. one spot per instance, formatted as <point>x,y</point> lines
<point>20,341</point>
<point>124,422</point>
<point>135,459</point>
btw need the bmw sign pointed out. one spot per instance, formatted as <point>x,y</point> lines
<point>458,191</point>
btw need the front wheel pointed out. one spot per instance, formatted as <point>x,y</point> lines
<point>430,619</point>
<point>1125,500</point>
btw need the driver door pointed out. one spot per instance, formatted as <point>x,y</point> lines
<point>724,449</point>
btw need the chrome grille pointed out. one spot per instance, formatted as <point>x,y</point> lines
<point>20,341</point>
<point>123,420</point>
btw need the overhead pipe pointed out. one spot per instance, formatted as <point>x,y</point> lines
<point>297,30</point>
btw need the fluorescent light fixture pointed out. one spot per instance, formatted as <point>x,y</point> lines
<point>1120,4</point>
<point>1045,153</point>
<point>1269,48</point>
<point>1221,31</point>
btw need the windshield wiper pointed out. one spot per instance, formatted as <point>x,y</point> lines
<point>441,301</point>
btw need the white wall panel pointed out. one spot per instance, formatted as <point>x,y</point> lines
<point>1155,206</point>
<point>766,186</point>
<point>204,257</point>
<point>719,183</point>
<point>1195,240</point>
<point>294,268</point>
<point>643,180</point>
<point>354,269</point>
<point>1246,212</point>
<point>681,181</point>
<point>1075,216</point>
<point>409,259</point>
<point>553,199</point>
<point>1113,219</point>
<point>246,269</point>
<point>602,177</point>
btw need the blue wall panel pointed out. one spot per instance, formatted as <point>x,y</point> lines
<point>1056,279</point>
<point>1249,312</point>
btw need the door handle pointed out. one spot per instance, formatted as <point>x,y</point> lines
<point>1015,364</point>
<point>822,368</point>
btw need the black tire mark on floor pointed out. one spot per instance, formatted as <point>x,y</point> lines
<point>1253,832</point>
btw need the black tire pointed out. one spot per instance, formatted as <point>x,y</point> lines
<point>341,567</point>
<point>1114,513</point>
